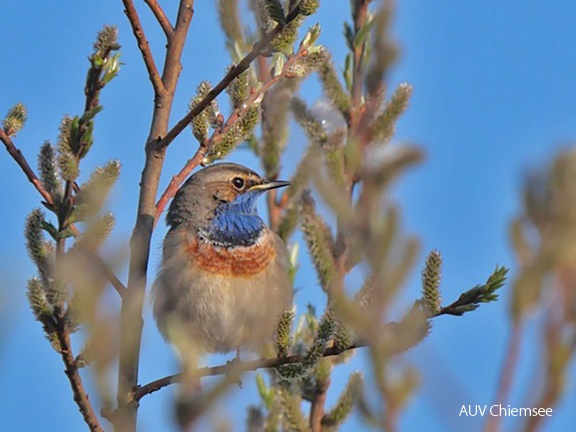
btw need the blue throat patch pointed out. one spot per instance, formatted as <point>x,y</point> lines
<point>236,223</point>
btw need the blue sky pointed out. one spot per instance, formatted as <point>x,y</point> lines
<point>494,95</point>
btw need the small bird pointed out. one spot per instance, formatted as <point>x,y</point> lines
<point>223,281</point>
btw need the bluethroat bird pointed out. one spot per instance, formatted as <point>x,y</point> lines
<point>223,281</point>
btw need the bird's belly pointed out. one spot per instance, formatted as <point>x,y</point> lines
<point>223,299</point>
<point>232,313</point>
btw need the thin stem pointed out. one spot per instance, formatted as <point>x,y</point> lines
<point>104,268</point>
<point>240,366</point>
<point>80,396</point>
<point>161,18</point>
<point>132,14</point>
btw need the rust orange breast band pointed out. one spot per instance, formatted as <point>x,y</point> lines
<point>236,261</point>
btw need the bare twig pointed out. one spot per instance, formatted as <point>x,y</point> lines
<point>71,369</point>
<point>29,172</point>
<point>143,45</point>
<point>21,161</point>
<point>161,17</point>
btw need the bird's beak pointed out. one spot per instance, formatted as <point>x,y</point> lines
<point>269,185</point>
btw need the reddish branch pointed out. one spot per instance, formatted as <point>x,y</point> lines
<point>21,161</point>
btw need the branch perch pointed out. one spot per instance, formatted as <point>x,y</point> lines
<point>247,366</point>
<point>272,363</point>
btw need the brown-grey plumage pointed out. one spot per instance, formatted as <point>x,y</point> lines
<point>224,274</point>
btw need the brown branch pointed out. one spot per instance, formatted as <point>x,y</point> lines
<point>21,161</point>
<point>131,322</point>
<point>161,18</point>
<point>258,48</point>
<point>143,45</point>
<point>71,370</point>
<point>240,366</point>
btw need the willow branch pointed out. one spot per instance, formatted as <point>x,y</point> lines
<point>258,48</point>
<point>246,366</point>
<point>143,45</point>
<point>31,175</point>
<point>71,369</point>
<point>161,18</point>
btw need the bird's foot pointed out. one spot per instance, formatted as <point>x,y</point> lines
<point>233,364</point>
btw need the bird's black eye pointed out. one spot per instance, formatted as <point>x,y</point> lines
<point>238,182</point>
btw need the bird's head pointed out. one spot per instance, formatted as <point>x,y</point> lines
<point>220,202</point>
